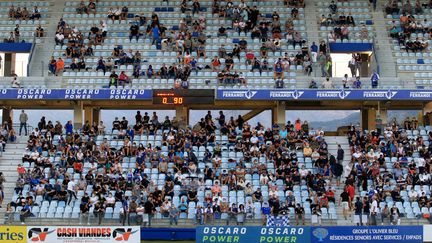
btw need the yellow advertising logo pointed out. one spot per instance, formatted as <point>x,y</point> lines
<point>14,234</point>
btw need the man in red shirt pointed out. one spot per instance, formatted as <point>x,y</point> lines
<point>351,191</point>
<point>78,167</point>
<point>21,171</point>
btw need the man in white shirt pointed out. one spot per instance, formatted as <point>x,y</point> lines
<point>328,84</point>
<point>59,37</point>
<point>374,210</point>
<point>412,194</point>
<point>71,190</point>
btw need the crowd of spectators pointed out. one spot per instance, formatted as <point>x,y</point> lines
<point>409,25</point>
<point>170,176</point>
<point>391,168</point>
<point>23,13</point>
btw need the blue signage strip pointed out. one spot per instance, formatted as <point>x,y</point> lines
<point>316,94</point>
<point>239,234</point>
<point>364,234</point>
<point>75,94</point>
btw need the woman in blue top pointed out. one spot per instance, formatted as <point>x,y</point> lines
<point>150,71</point>
<point>69,128</point>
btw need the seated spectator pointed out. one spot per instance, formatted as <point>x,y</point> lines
<point>113,79</point>
<point>256,64</point>
<point>279,84</point>
<point>333,7</point>
<point>52,65</point>
<point>101,65</point>
<point>327,84</point>
<point>59,38</point>
<point>15,83</point>
<point>357,83</point>
<point>134,32</point>
<point>222,32</point>
<point>123,79</point>
<point>278,71</point>
<point>124,13</point>
<point>59,66</point>
<point>39,31</point>
<point>313,84</point>
<point>35,13</point>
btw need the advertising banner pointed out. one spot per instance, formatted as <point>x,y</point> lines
<point>75,94</point>
<point>83,234</point>
<point>15,234</point>
<point>364,234</point>
<point>221,234</point>
<point>427,233</point>
<point>316,94</point>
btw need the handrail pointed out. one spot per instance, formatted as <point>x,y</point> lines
<point>16,127</point>
<point>376,57</point>
<point>31,54</point>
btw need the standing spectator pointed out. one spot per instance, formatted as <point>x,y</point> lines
<point>132,214</point>
<point>17,33</point>
<point>174,213</point>
<point>9,215</point>
<point>366,211</point>
<point>322,62</point>
<point>71,187</point>
<point>358,211</point>
<point>199,215</point>
<point>345,200</point>
<point>2,180</point>
<point>265,210</point>
<point>140,213</point>
<point>155,34</point>
<point>99,211</point>
<point>124,210</point>
<point>340,154</point>
<point>299,214</point>
<point>149,210</point>
<point>23,118</point>
<point>394,215</point>
<point>373,210</point>
<point>314,52</point>
<point>352,66</point>
<point>384,214</point>
<point>241,215</point>
<point>208,213</point>
<point>316,216</point>
<point>84,209</point>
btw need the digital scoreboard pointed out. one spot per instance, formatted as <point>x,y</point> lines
<point>183,96</point>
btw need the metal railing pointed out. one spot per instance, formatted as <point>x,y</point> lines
<point>31,55</point>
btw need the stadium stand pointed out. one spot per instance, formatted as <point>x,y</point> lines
<point>203,36</point>
<point>146,167</point>
<point>212,164</point>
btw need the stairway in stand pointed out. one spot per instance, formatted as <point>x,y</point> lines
<point>8,165</point>
<point>333,142</point>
